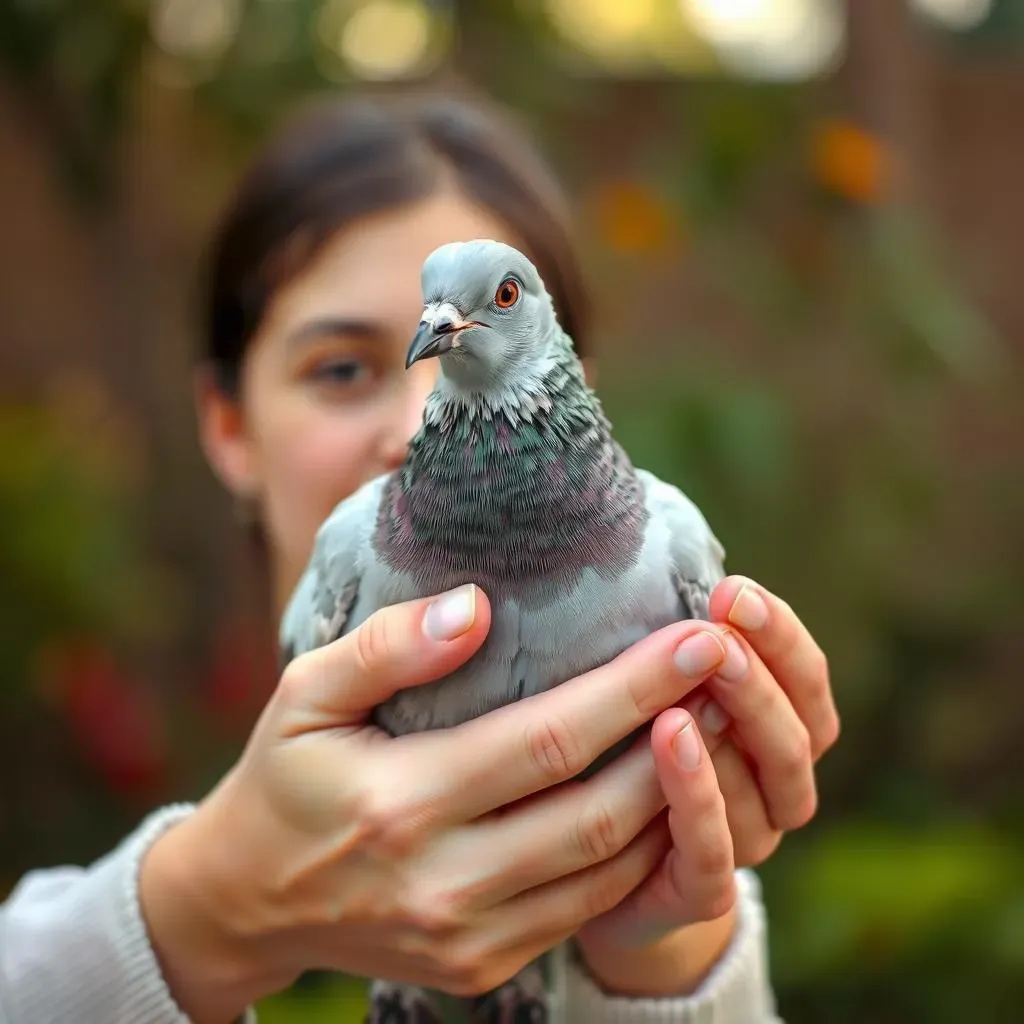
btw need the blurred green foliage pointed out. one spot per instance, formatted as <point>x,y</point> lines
<point>72,559</point>
<point>317,1000</point>
<point>818,404</point>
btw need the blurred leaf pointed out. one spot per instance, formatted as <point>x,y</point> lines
<point>919,296</point>
<point>333,1000</point>
<point>867,894</point>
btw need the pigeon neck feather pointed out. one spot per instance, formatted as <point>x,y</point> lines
<point>520,492</point>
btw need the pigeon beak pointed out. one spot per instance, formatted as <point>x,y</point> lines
<point>438,332</point>
<point>429,342</point>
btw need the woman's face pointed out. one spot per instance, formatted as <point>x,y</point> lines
<point>326,401</point>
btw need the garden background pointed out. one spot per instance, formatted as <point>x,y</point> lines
<point>801,221</point>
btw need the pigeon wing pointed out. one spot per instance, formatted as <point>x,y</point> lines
<point>693,554</point>
<point>319,608</point>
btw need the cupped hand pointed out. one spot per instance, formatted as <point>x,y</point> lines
<point>736,766</point>
<point>769,715</point>
<point>446,859</point>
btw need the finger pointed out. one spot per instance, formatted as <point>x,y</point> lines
<point>561,907</point>
<point>754,839</point>
<point>711,718</point>
<point>534,743</point>
<point>512,934</point>
<point>696,881</point>
<point>753,836</point>
<point>770,732</point>
<point>397,647</point>
<point>784,644</point>
<point>554,834</point>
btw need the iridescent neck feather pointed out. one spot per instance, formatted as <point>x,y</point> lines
<point>519,488</point>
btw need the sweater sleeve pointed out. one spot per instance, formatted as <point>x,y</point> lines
<point>736,991</point>
<point>74,946</point>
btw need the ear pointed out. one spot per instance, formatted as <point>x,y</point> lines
<point>222,435</point>
<point>589,370</point>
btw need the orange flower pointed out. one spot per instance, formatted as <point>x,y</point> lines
<point>851,162</point>
<point>630,217</point>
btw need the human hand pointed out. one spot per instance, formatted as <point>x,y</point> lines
<point>764,719</point>
<point>443,859</point>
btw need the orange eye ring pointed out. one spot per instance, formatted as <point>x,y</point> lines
<point>507,294</point>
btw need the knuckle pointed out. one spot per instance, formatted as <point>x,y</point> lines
<point>431,916</point>
<point>606,890</point>
<point>275,891</point>
<point>795,758</point>
<point>554,749</point>
<point>453,905</point>
<point>646,698</point>
<point>763,699</point>
<point>372,643</point>
<point>719,901</point>
<point>818,665</point>
<point>598,836</point>
<point>649,685</point>
<point>712,854</point>
<point>364,904</point>
<point>386,826</point>
<point>757,849</point>
<point>791,642</point>
<point>705,800</point>
<point>699,899</point>
<point>466,970</point>
<point>293,680</point>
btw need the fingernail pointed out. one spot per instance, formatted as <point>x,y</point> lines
<point>699,654</point>
<point>734,668</point>
<point>748,611</point>
<point>452,614</point>
<point>686,747</point>
<point>713,719</point>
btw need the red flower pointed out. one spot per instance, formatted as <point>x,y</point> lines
<point>117,724</point>
<point>240,676</point>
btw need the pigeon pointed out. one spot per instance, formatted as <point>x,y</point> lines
<point>513,482</point>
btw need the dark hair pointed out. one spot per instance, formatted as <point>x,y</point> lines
<point>346,158</point>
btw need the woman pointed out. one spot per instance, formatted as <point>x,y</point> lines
<point>332,846</point>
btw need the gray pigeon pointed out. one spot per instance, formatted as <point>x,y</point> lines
<point>513,482</point>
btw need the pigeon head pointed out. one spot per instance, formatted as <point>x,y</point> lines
<point>487,314</point>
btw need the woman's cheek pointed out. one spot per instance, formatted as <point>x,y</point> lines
<point>323,464</point>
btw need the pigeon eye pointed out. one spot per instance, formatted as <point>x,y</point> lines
<point>507,294</point>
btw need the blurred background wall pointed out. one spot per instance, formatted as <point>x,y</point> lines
<point>801,221</point>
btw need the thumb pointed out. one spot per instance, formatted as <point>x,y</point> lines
<point>397,647</point>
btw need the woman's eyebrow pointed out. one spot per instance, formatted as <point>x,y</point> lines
<point>337,327</point>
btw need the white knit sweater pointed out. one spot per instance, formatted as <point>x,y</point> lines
<point>74,950</point>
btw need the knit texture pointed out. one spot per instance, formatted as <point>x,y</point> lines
<point>737,990</point>
<point>74,947</point>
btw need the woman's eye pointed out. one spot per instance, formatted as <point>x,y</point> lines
<point>341,371</point>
